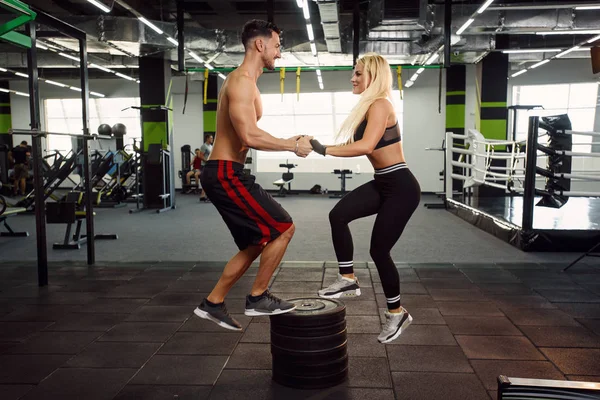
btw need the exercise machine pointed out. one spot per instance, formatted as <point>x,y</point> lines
<point>343,176</point>
<point>286,178</point>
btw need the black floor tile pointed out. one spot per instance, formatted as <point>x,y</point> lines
<point>81,383</point>
<point>363,324</point>
<point>421,335</point>
<point>427,385</point>
<point>574,361</point>
<point>498,348</point>
<point>55,343</point>
<point>161,314</point>
<point>561,336</point>
<point>360,307</point>
<point>140,332</point>
<point>14,392</point>
<point>41,313</point>
<point>160,392</point>
<point>489,370</point>
<point>257,332</point>
<point>438,273</point>
<point>422,316</point>
<point>591,324</point>
<point>569,296</point>
<point>365,345</point>
<point>581,310</point>
<point>79,322</point>
<point>368,372</point>
<point>299,274</point>
<point>197,324</point>
<point>113,306</point>
<point>19,331</point>
<point>455,308</point>
<point>410,300</point>
<point>64,298</point>
<point>405,288</point>
<point>442,283</point>
<point>473,294</point>
<point>490,276</point>
<point>29,368</point>
<point>309,288</point>
<point>514,289</point>
<point>114,355</point>
<point>180,370</point>
<point>251,356</point>
<point>198,343</point>
<point>99,287</point>
<point>135,291</point>
<point>428,359</point>
<point>477,325</point>
<point>537,317</point>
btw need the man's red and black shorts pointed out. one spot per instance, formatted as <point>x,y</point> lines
<point>251,214</point>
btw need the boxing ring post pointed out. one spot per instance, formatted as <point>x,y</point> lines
<point>530,173</point>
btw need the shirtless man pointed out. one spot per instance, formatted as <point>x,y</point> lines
<point>258,224</point>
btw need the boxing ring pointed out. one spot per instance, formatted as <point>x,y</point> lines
<point>527,193</point>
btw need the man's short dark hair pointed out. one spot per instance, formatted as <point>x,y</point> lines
<point>24,143</point>
<point>196,150</point>
<point>257,27</point>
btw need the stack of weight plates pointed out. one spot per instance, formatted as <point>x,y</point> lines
<point>309,344</point>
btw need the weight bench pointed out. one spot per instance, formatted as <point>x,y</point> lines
<point>530,389</point>
<point>286,178</point>
<point>9,212</point>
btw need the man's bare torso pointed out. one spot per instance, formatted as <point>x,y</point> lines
<point>227,145</point>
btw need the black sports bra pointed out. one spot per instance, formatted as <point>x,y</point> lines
<point>390,136</point>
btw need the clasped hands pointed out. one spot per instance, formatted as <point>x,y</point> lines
<point>306,144</point>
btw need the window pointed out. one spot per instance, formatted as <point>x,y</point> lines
<point>578,100</point>
<point>316,114</point>
<point>64,115</point>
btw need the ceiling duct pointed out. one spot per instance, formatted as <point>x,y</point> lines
<point>330,21</point>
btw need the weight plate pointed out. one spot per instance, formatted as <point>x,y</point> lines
<point>310,357</point>
<point>312,312</point>
<point>310,331</point>
<point>319,382</point>
<point>283,366</point>
<point>308,343</point>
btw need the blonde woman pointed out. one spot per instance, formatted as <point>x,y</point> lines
<point>372,129</point>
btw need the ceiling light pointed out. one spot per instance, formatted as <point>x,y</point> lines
<point>567,51</point>
<point>3,70</point>
<point>99,5</point>
<point>40,46</point>
<point>22,94</point>
<point>69,56</point>
<point>220,75</point>
<point>420,70</point>
<point>55,83</point>
<point>313,48</point>
<point>151,25</point>
<point>521,72</point>
<point>175,42</point>
<point>409,83</point>
<point>321,85</point>
<point>300,3</point>
<point>570,32</point>
<point>97,94</point>
<point>101,68</point>
<point>318,72</point>
<point>465,26</point>
<point>305,10</point>
<point>432,58</point>
<point>594,39</point>
<point>8,91</point>
<point>540,64</point>
<point>138,81</point>
<point>196,57</point>
<point>75,88</point>
<point>587,8</point>
<point>414,77</point>
<point>484,6</point>
<point>125,76</point>
<point>209,66</point>
<point>530,51</point>
<point>22,74</point>
<point>311,35</point>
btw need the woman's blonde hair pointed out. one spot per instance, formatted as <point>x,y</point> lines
<point>378,74</point>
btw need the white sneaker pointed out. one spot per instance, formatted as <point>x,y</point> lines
<point>395,325</point>
<point>345,287</point>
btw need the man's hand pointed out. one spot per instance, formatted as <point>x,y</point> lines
<point>294,138</point>
<point>303,146</point>
<point>318,147</point>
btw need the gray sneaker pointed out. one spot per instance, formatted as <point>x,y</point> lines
<point>341,287</point>
<point>267,304</point>
<point>395,325</point>
<point>217,314</point>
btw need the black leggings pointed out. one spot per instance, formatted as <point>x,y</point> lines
<point>393,195</point>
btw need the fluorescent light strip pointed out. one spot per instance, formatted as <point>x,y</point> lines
<point>313,48</point>
<point>414,77</point>
<point>220,75</point>
<point>521,72</point>
<point>210,67</point>
<point>409,83</point>
<point>318,72</point>
<point>125,76</point>
<point>75,88</point>
<point>22,74</point>
<point>55,83</point>
<point>69,56</point>
<point>540,64</point>
<point>151,25</point>
<point>300,3</point>
<point>587,7</point>
<point>567,51</point>
<point>40,46</point>
<point>305,10</point>
<point>101,6</point>
<point>8,91</point>
<point>22,94</point>
<point>3,70</point>
<point>594,39</point>
<point>432,58</point>
<point>175,42</point>
<point>102,68</point>
<point>311,35</point>
<point>97,94</point>
<point>196,57</point>
<point>465,26</point>
<point>420,70</point>
<point>570,32</point>
<point>530,51</point>
<point>484,6</point>
<point>321,85</point>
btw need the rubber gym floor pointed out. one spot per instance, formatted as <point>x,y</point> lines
<point>125,328</point>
